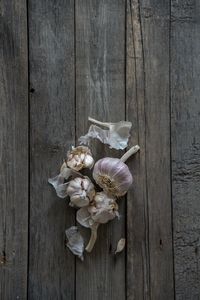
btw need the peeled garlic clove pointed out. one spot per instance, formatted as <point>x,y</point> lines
<point>81,191</point>
<point>79,158</point>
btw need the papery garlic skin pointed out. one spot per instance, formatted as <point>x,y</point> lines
<point>103,208</point>
<point>75,241</point>
<point>81,191</point>
<point>116,135</point>
<point>113,176</point>
<point>83,217</point>
<point>79,158</point>
<point>60,182</point>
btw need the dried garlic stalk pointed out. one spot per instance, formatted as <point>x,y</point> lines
<point>116,135</point>
<point>103,209</point>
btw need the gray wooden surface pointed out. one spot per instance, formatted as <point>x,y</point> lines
<point>185,138</point>
<point>14,150</point>
<point>100,92</point>
<point>62,61</point>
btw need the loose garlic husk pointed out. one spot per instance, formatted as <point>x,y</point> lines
<point>103,209</point>
<point>113,175</point>
<point>79,158</point>
<point>81,191</point>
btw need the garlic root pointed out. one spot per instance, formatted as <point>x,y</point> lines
<point>93,237</point>
<point>130,152</point>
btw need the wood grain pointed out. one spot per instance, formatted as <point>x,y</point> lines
<point>13,150</point>
<point>52,85</point>
<point>185,90</point>
<point>150,255</point>
<point>100,93</point>
<point>138,273</point>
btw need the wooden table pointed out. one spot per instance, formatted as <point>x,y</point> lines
<point>62,61</point>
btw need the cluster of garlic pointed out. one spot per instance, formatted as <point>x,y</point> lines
<point>94,208</point>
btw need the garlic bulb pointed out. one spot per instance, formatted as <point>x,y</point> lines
<point>103,209</point>
<point>79,158</point>
<point>81,191</point>
<point>113,175</point>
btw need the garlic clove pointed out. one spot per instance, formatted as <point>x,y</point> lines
<point>85,184</point>
<point>120,245</point>
<point>79,201</point>
<point>77,158</point>
<point>82,156</point>
<point>83,217</point>
<point>88,161</point>
<point>70,190</point>
<point>98,198</point>
<point>76,183</point>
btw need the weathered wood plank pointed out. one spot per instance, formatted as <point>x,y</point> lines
<point>13,150</point>
<point>137,206</point>
<point>100,93</point>
<point>51,39</point>
<point>185,90</point>
<point>150,257</point>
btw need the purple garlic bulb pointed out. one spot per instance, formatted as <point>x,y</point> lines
<point>113,175</point>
